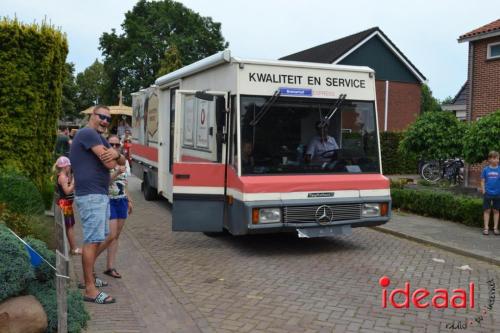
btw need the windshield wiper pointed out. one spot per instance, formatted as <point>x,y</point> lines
<point>333,110</point>
<point>267,105</point>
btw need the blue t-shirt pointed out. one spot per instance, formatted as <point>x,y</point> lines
<point>91,175</point>
<point>491,178</point>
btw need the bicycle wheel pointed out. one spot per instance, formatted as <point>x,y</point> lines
<point>431,172</point>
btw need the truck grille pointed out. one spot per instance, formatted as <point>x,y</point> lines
<point>306,214</point>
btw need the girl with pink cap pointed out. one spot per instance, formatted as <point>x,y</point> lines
<point>65,188</point>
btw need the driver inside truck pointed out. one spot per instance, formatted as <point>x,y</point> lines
<point>322,147</point>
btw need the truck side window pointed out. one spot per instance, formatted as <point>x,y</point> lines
<point>172,127</point>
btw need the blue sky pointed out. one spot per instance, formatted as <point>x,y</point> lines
<point>425,31</point>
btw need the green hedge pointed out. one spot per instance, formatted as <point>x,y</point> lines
<point>15,267</point>
<point>19,193</point>
<point>393,162</point>
<point>32,61</point>
<point>17,277</point>
<point>46,295</point>
<point>43,272</point>
<point>441,205</point>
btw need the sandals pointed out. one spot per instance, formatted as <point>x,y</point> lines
<point>98,283</point>
<point>496,232</point>
<point>101,298</point>
<point>486,232</point>
<point>76,252</point>
<point>113,273</point>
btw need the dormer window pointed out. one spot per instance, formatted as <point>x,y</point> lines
<point>493,51</point>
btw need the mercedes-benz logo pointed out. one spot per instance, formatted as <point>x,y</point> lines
<point>324,214</point>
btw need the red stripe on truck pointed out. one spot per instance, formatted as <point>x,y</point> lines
<point>312,183</point>
<point>150,153</point>
<point>212,175</point>
<point>198,174</point>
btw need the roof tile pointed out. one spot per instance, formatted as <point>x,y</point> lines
<point>490,27</point>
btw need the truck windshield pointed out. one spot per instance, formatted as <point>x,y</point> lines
<point>291,138</point>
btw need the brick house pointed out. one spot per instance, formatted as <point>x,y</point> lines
<point>483,77</point>
<point>398,81</point>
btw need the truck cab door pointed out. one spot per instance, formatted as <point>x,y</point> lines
<point>198,190</point>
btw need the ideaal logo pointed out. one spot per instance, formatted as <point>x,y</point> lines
<point>439,299</point>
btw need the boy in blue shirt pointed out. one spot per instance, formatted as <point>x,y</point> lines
<point>490,187</point>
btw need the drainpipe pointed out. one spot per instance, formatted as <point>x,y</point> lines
<point>468,113</point>
<point>386,108</point>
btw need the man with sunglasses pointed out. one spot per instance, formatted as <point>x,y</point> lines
<point>91,158</point>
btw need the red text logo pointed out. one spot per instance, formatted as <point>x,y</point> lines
<point>422,298</point>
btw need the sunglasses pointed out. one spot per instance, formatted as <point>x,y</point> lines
<point>115,144</point>
<point>103,117</point>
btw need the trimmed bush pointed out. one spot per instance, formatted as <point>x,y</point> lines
<point>394,162</point>
<point>481,137</point>
<point>43,272</point>
<point>441,205</point>
<point>15,266</point>
<point>17,277</point>
<point>434,135</point>
<point>45,293</point>
<point>32,63</point>
<point>19,223</point>
<point>19,193</point>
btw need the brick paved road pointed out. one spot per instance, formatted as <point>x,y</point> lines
<point>278,283</point>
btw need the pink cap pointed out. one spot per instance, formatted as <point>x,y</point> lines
<point>62,162</point>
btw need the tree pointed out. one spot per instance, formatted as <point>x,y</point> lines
<point>171,61</point>
<point>69,94</point>
<point>434,136</point>
<point>132,60</point>
<point>447,100</point>
<point>428,102</point>
<point>482,137</point>
<point>90,86</point>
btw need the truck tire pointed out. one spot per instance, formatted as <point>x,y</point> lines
<point>150,193</point>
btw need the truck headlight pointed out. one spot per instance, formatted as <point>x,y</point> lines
<point>370,210</point>
<point>266,215</point>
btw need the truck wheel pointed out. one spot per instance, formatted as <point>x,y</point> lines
<point>150,193</point>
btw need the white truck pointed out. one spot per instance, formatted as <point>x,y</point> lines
<point>229,142</point>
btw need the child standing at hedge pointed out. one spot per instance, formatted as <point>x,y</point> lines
<point>65,189</point>
<point>490,187</point>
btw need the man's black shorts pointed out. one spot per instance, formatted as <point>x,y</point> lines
<point>491,202</point>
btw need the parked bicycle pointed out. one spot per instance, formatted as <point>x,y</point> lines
<point>451,170</point>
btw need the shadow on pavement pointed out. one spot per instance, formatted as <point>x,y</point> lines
<point>287,244</point>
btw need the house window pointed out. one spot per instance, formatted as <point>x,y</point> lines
<point>493,51</point>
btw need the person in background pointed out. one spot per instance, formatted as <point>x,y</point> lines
<point>120,206</point>
<point>490,187</point>
<point>65,187</point>
<point>123,127</point>
<point>62,142</point>
<point>72,134</point>
<point>92,157</point>
<point>126,145</point>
